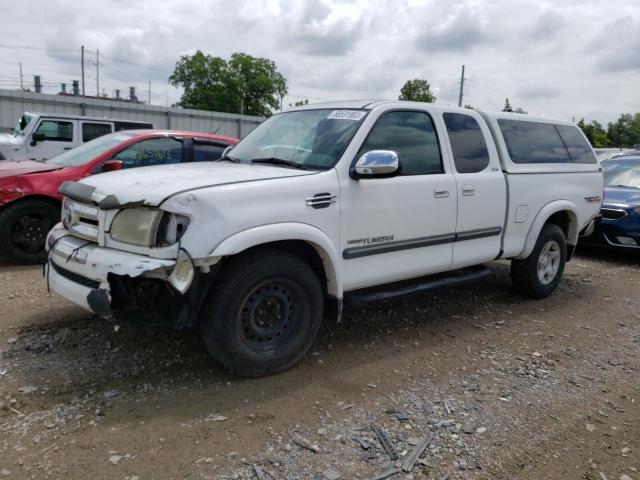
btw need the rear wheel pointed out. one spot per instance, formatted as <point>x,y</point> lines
<point>263,314</point>
<point>23,230</point>
<point>538,275</point>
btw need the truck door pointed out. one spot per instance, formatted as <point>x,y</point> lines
<point>481,188</point>
<point>52,137</point>
<point>403,226</point>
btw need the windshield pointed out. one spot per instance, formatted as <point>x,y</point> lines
<point>312,139</point>
<point>89,150</point>
<point>622,172</point>
<point>22,124</point>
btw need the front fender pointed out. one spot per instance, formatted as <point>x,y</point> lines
<point>315,237</point>
<point>541,218</point>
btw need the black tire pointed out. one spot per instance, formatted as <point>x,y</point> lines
<point>242,319</point>
<point>23,230</point>
<point>525,274</point>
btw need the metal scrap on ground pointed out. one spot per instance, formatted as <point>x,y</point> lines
<point>385,442</point>
<point>410,461</point>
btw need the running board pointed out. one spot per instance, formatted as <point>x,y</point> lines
<point>393,291</point>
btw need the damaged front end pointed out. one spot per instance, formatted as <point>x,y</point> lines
<point>123,285</point>
<point>125,261</point>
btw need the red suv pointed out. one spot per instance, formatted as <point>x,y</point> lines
<point>29,198</point>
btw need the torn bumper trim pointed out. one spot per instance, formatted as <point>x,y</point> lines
<point>72,257</point>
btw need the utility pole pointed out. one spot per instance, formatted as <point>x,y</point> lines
<point>149,92</point>
<point>82,67</point>
<point>98,73</point>
<point>461,87</point>
<point>21,84</point>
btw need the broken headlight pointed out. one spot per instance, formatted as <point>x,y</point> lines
<point>148,227</point>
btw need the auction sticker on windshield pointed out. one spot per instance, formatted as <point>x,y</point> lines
<point>354,115</point>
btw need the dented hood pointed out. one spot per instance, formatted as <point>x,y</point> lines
<point>9,168</point>
<point>152,185</point>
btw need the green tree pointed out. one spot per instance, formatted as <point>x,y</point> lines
<point>244,84</point>
<point>594,132</point>
<point>625,132</point>
<point>417,91</point>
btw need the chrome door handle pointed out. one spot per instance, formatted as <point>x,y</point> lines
<point>468,190</point>
<point>440,192</point>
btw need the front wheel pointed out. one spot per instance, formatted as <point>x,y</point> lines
<point>538,275</point>
<point>263,313</point>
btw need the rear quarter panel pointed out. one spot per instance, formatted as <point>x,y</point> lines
<point>531,192</point>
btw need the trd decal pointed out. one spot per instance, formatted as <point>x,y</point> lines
<point>370,240</point>
<point>594,199</point>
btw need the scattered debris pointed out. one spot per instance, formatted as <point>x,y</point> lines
<point>331,474</point>
<point>386,474</point>
<point>386,444</point>
<point>302,442</point>
<point>28,389</point>
<point>410,461</point>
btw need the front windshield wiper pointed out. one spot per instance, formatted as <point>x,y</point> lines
<point>279,162</point>
<point>626,186</point>
<point>227,158</point>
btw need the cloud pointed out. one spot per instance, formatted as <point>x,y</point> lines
<point>619,46</point>
<point>458,34</point>
<point>557,59</point>
<point>536,92</point>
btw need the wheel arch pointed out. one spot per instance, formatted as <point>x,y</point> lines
<point>562,213</point>
<point>305,241</point>
<point>44,198</point>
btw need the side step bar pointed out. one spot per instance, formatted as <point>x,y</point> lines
<point>407,288</point>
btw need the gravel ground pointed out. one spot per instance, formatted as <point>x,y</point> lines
<point>473,383</point>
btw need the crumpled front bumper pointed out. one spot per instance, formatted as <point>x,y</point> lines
<point>78,270</point>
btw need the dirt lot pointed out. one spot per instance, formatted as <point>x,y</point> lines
<point>499,387</point>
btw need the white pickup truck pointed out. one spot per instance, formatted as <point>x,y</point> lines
<point>343,202</point>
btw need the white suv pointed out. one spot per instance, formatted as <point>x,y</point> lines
<point>41,136</point>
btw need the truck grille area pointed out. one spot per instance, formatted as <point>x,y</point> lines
<point>81,220</point>
<point>74,277</point>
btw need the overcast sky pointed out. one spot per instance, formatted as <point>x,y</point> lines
<point>556,59</point>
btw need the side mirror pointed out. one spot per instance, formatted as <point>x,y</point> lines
<point>112,165</point>
<point>377,163</point>
<point>36,137</point>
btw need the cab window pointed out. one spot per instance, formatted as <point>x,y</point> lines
<point>412,136</point>
<point>533,142</point>
<point>579,149</point>
<point>470,153</point>
<point>154,151</point>
<point>94,130</point>
<point>56,130</point>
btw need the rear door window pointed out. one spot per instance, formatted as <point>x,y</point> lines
<point>206,152</point>
<point>56,130</point>
<point>94,130</point>
<point>154,151</point>
<point>579,149</point>
<point>533,142</point>
<point>469,148</point>
<point>119,126</point>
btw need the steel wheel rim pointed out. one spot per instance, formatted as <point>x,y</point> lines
<point>270,315</point>
<point>29,233</point>
<point>549,262</point>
